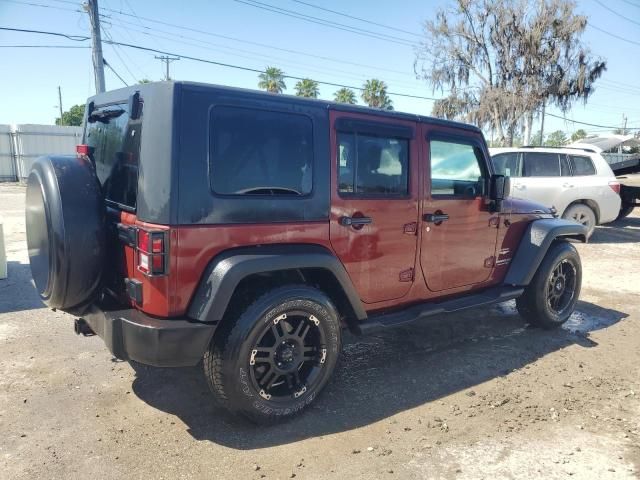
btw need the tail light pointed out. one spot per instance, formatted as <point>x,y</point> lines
<point>83,150</point>
<point>152,252</point>
<point>615,186</point>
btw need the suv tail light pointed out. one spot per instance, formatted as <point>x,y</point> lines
<point>83,150</point>
<point>152,252</point>
<point>615,186</point>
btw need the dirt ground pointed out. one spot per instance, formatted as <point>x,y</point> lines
<point>477,395</point>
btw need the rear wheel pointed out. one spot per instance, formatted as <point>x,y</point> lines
<point>551,297</point>
<point>582,214</point>
<point>625,210</point>
<point>277,356</point>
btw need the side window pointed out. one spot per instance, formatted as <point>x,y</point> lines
<point>538,164</point>
<point>456,169</point>
<point>259,152</point>
<point>507,164</point>
<point>582,165</point>
<point>372,165</point>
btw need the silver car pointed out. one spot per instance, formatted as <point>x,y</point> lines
<point>578,183</point>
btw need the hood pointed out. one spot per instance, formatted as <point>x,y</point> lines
<point>518,205</point>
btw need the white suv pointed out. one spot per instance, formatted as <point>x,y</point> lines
<point>578,183</point>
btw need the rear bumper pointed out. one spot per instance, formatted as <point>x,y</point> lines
<point>131,335</point>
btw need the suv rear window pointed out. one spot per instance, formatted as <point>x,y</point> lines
<point>538,164</point>
<point>259,152</point>
<point>115,150</point>
<point>581,165</point>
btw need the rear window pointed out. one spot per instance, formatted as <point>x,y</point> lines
<point>581,165</point>
<point>541,164</point>
<point>259,152</point>
<point>115,150</point>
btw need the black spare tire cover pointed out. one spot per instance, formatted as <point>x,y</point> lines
<point>65,220</point>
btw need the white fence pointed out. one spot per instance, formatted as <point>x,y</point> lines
<point>20,145</point>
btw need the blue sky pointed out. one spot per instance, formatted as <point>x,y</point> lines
<point>30,76</point>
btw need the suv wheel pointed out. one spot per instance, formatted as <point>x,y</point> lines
<point>277,356</point>
<point>551,297</point>
<point>583,214</point>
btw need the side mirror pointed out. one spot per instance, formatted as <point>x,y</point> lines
<point>499,189</point>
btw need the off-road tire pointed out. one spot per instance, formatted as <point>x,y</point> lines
<point>534,305</point>
<point>227,362</point>
<point>582,214</point>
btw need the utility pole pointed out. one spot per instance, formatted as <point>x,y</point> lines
<point>60,105</point>
<point>624,124</point>
<point>542,124</point>
<point>167,60</point>
<point>98,64</point>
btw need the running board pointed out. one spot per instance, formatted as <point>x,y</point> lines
<point>425,310</point>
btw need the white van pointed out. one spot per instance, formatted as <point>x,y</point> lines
<point>578,183</point>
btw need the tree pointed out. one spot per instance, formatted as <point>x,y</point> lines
<point>345,95</point>
<point>375,95</point>
<point>272,80</point>
<point>578,135</point>
<point>143,81</point>
<point>537,139</point>
<point>307,88</point>
<point>501,60</point>
<point>556,139</point>
<point>72,117</point>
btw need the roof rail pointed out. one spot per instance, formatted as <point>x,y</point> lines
<point>569,147</point>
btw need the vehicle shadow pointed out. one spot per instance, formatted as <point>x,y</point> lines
<point>17,293</point>
<point>625,230</point>
<point>381,375</point>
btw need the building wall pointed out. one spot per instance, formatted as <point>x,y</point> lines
<point>21,145</point>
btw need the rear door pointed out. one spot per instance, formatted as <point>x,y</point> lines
<point>459,233</point>
<point>541,179</point>
<point>374,202</point>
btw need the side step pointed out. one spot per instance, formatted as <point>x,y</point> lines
<point>424,310</point>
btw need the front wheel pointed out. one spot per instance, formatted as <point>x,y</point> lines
<point>551,297</point>
<point>276,357</point>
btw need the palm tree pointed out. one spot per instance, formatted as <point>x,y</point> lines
<point>272,80</point>
<point>307,88</point>
<point>345,95</point>
<point>374,94</point>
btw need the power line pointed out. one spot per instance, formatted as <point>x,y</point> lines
<point>41,5</point>
<point>357,18</point>
<point>589,124</point>
<point>612,34</point>
<point>43,46</point>
<point>249,42</point>
<point>75,38</point>
<point>631,3</point>
<point>255,70</point>
<point>104,60</point>
<point>326,23</point>
<point>616,13</point>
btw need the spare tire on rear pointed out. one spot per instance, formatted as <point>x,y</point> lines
<point>65,220</point>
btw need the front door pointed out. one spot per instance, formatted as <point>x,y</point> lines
<point>374,202</point>
<point>459,232</point>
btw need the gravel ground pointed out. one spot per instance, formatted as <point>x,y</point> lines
<point>478,395</point>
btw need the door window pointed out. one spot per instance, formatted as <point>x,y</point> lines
<point>582,165</point>
<point>507,164</point>
<point>372,165</point>
<point>538,164</point>
<point>456,169</point>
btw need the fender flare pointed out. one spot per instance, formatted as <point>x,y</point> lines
<point>534,244</point>
<point>227,270</point>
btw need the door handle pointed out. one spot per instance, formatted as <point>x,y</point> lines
<point>435,217</point>
<point>518,186</point>
<point>355,221</point>
<point>567,185</point>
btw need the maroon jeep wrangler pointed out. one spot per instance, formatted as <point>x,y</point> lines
<point>247,230</point>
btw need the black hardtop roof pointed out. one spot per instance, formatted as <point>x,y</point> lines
<point>122,93</point>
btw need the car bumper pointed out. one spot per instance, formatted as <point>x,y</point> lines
<point>131,335</point>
